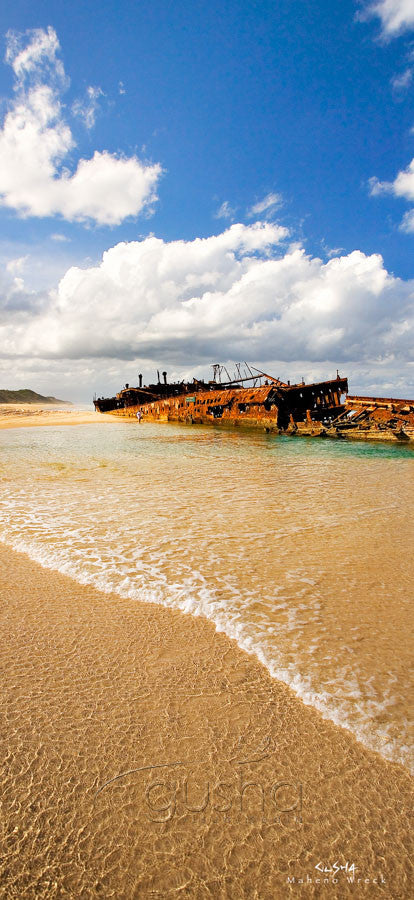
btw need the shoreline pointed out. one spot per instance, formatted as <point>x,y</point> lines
<point>35,415</point>
<point>148,754</point>
<point>25,415</point>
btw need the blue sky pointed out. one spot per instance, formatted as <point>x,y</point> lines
<point>281,133</point>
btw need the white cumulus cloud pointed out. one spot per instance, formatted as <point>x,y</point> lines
<point>402,186</point>
<point>38,58</point>
<point>225,211</point>
<point>35,140</point>
<point>59,238</point>
<point>16,266</point>
<point>402,81</point>
<point>268,205</point>
<point>236,295</point>
<point>396,16</point>
<point>407,223</point>
<point>86,109</point>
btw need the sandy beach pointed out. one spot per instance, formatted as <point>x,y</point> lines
<point>145,755</point>
<point>22,415</point>
<point>207,451</point>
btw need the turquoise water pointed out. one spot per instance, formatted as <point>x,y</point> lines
<point>301,550</point>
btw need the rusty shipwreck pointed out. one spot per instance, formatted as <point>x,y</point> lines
<point>253,398</point>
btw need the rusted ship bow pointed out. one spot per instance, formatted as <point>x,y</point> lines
<point>321,409</point>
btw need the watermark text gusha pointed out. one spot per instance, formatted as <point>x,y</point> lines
<point>332,873</point>
<point>172,789</point>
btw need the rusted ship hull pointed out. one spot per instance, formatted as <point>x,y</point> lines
<point>375,419</point>
<point>313,410</point>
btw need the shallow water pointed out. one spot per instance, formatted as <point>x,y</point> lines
<point>301,550</point>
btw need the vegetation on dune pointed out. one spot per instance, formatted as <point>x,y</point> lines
<point>27,396</point>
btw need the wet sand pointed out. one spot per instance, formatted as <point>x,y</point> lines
<point>21,415</point>
<point>145,755</point>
